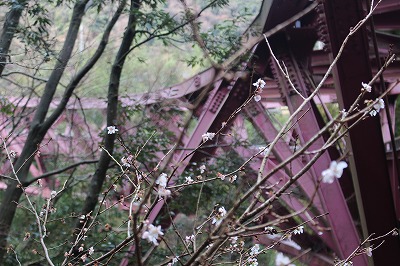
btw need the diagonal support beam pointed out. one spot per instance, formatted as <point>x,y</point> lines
<point>263,124</point>
<point>331,195</point>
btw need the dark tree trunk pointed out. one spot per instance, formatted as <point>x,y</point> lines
<point>37,130</point>
<point>112,109</point>
<point>10,25</point>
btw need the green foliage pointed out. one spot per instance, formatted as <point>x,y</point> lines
<point>6,107</point>
<point>35,32</point>
<point>158,64</point>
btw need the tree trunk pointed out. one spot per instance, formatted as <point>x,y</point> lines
<point>37,131</point>
<point>11,22</point>
<point>112,109</point>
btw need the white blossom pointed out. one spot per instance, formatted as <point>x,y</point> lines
<point>257,97</point>
<point>377,107</point>
<point>125,162</point>
<point>162,180</point>
<point>255,250</point>
<point>189,239</point>
<point>264,150</point>
<point>152,233</point>
<point>335,170</point>
<point>163,192</point>
<point>349,263</point>
<point>368,251</point>
<point>219,216</point>
<point>373,112</point>
<point>13,154</point>
<point>366,86</point>
<point>188,179</point>
<point>253,262</point>
<point>207,136</point>
<point>299,230</point>
<point>91,251</point>
<point>234,239</point>
<point>282,260</point>
<point>53,194</point>
<point>220,176</point>
<point>232,178</point>
<point>259,84</point>
<point>80,249</point>
<point>112,130</point>
<point>174,260</point>
<point>202,169</point>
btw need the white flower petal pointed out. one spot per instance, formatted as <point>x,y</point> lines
<point>366,86</point>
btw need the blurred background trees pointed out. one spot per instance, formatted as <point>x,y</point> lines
<point>54,54</point>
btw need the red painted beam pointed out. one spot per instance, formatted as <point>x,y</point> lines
<point>367,155</point>
<point>331,195</point>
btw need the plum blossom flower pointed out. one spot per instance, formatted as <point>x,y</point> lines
<point>282,260</point>
<point>380,104</point>
<point>368,251</point>
<point>163,192</point>
<point>53,194</point>
<point>255,250</point>
<point>202,169</point>
<point>207,136</point>
<point>220,176</point>
<point>253,262</point>
<point>377,107</point>
<point>126,162</point>
<point>232,178</point>
<point>152,233</point>
<point>162,180</point>
<point>188,179</point>
<point>257,97</point>
<point>189,239</point>
<point>264,150</point>
<point>91,251</point>
<point>174,260</point>
<point>366,86</point>
<point>13,154</point>
<point>299,230</point>
<point>259,84</point>
<point>112,130</point>
<point>349,263</point>
<point>270,230</point>
<point>335,170</point>
<point>217,219</point>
